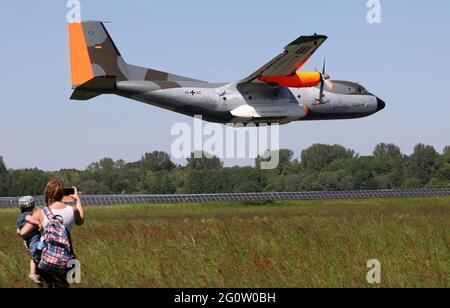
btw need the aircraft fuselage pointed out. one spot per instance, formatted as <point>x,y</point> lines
<point>256,102</point>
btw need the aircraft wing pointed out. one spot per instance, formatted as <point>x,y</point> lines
<point>294,57</point>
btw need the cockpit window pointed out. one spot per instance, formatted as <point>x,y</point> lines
<point>345,88</point>
<point>362,90</point>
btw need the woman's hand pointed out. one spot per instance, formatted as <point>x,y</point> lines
<point>75,196</point>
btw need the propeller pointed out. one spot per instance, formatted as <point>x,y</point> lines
<point>324,78</point>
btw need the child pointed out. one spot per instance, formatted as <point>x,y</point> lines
<point>32,241</point>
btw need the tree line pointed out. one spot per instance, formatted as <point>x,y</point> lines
<point>319,168</point>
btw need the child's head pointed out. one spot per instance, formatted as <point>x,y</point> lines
<point>27,204</point>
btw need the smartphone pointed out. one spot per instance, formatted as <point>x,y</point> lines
<point>69,191</point>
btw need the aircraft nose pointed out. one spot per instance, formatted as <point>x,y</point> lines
<point>380,104</point>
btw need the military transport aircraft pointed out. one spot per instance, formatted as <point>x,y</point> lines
<point>276,93</point>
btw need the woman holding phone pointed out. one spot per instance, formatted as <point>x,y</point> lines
<point>71,215</point>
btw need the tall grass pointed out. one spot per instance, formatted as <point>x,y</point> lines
<point>288,244</point>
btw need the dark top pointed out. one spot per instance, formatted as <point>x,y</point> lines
<point>34,237</point>
<point>21,219</point>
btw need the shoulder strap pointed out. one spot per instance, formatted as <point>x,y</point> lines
<point>48,213</point>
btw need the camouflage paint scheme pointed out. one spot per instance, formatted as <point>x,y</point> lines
<point>247,101</point>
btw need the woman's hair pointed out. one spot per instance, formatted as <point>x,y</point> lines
<point>54,192</point>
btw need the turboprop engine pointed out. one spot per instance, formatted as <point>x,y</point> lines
<point>298,80</point>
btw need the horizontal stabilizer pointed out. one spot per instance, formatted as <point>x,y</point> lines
<point>94,87</point>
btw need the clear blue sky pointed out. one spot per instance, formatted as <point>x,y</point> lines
<point>404,60</point>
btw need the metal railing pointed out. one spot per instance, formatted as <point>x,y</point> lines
<point>248,197</point>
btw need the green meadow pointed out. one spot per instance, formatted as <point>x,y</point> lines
<point>286,244</point>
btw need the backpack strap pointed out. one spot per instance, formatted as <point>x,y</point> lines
<point>48,213</point>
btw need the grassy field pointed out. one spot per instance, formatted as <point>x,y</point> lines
<point>288,244</point>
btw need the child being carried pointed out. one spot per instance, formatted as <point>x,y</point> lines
<point>32,241</point>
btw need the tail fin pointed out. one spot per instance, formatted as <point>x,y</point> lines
<point>95,57</point>
<point>93,53</point>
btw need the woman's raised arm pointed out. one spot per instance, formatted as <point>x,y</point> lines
<point>78,209</point>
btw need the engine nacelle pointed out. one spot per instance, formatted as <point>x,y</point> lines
<point>298,80</point>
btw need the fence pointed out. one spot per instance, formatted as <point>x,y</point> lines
<point>250,197</point>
